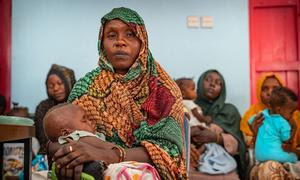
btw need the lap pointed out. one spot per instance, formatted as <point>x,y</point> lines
<point>131,170</point>
<point>194,175</point>
<point>270,170</point>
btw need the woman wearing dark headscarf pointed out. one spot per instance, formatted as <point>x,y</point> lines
<point>133,102</point>
<point>225,118</point>
<point>59,83</point>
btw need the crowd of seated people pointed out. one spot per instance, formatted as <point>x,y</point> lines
<point>139,111</point>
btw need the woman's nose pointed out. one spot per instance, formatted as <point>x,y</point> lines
<point>269,92</point>
<point>120,41</point>
<point>212,84</point>
<point>56,87</point>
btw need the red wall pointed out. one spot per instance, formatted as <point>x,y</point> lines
<point>5,49</point>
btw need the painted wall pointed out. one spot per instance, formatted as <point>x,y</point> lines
<point>65,32</point>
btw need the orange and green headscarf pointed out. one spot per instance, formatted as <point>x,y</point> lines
<point>141,108</point>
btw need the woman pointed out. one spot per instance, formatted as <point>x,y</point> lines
<point>133,101</point>
<point>264,88</point>
<point>59,82</point>
<point>224,129</point>
<point>268,169</point>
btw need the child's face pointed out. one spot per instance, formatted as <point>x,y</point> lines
<point>189,90</point>
<point>288,109</point>
<point>267,88</point>
<point>121,45</point>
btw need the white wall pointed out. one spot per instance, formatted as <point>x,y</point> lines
<point>65,32</point>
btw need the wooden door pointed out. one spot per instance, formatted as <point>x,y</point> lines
<point>274,41</point>
<point>5,49</point>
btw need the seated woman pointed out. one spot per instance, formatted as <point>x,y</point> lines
<point>264,86</point>
<point>268,169</point>
<point>59,82</point>
<point>133,101</point>
<point>224,129</point>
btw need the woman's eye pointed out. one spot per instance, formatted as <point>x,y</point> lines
<point>50,86</point>
<point>264,89</point>
<point>219,83</point>
<point>207,79</point>
<point>111,35</point>
<point>130,34</point>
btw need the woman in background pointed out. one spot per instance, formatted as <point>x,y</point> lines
<point>269,169</point>
<point>224,129</point>
<point>264,88</point>
<point>59,83</point>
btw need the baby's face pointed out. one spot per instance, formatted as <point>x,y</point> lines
<point>189,91</point>
<point>287,110</point>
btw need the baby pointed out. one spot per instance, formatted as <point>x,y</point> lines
<point>69,121</point>
<point>193,111</point>
<point>276,129</point>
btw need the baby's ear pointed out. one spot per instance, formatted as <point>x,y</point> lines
<point>65,131</point>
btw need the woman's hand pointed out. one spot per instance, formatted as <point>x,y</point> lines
<point>257,122</point>
<point>71,156</point>
<point>207,119</point>
<point>201,135</point>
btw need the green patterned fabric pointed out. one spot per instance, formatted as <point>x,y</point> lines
<point>125,14</point>
<point>164,134</point>
<point>82,85</point>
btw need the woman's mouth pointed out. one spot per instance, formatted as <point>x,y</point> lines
<point>121,54</point>
<point>59,95</point>
<point>210,90</point>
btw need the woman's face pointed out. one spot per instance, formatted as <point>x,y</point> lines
<point>121,46</point>
<point>212,85</point>
<point>56,88</point>
<point>269,84</point>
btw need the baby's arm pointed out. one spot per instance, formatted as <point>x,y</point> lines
<point>200,117</point>
<point>286,132</point>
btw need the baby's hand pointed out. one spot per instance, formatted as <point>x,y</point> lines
<point>287,147</point>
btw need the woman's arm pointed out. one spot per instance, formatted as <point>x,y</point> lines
<point>201,135</point>
<point>88,149</point>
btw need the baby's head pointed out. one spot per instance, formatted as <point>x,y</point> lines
<point>187,87</point>
<point>283,101</point>
<point>65,118</point>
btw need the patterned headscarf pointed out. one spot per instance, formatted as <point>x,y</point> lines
<point>141,108</point>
